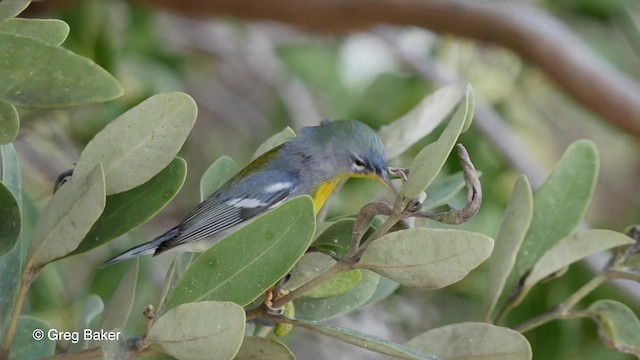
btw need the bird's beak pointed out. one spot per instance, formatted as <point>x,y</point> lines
<point>386,181</point>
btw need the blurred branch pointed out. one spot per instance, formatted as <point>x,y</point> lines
<point>527,30</point>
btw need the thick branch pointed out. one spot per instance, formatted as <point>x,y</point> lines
<point>532,33</point>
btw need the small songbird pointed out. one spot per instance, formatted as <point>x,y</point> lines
<point>312,163</point>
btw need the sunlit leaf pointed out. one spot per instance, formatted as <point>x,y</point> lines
<point>119,308</point>
<point>10,220</point>
<point>429,161</point>
<point>128,210</point>
<point>327,308</point>
<point>41,75</point>
<point>337,285</point>
<point>141,142</point>
<point>9,122</point>
<point>573,248</point>
<point>68,217</point>
<point>25,346</point>
<point>276,140</point>
<point>427,258</point>
<point>364,341</point>
<point>515,224</point>
<point>9,9</point>
<point>203,330</point>
<point>470,341</point>
<point>256,348</point>
<point>404,132</point>
<point>216,175</point>
<point>619,326</point>
<point>245,264</point>
<point>52,31</point>
<point>310,266</point>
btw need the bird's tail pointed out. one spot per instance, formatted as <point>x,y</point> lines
<point>148,248</point>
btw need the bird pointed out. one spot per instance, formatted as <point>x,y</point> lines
<point>312,163</point>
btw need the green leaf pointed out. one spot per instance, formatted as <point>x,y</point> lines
<point>67,218</point>
<point>571,249</point>
<point>335,236</point>
<point>128,210</point>
<point>246,263</point>
<point>470,341</point>
<point>52,31</point>
<point>311,266</point>
<point>10,263</point>
<point>255,348</point>
<point>202,330</point>
<point>404,132</point>
<point>92,308</point>
<point>443,189</point>
<point>10,220</point>
<point>337,285</point>
<point>117,312</point>
<point>177,269</point>
<point>216,175</point>
<point>386,287</point>
<point>40,75</point>
<point>427,258</point>
<point>9,122</point>
<point>559,205</point>
<point>515,224</point>
<point>619,325</point>
<point>429,161</point>
<point>276,140</point>
<point>10,9</point>
<point>24,345</point>
<point>327,308</point>
<point>365,341</point>
<point>141,142</point>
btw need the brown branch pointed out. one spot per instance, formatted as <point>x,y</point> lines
<point>529,31</point>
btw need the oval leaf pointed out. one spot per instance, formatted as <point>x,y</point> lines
<point>141,142</point>
<point>276,140</point>
<point>117,312</point>
<point>24,345</point>
<point>202,330</point>
<point>429,161</point>
<point>404,132</point>
<point>216,175</point>
<point>40,75</point>
<point>128,210</point>
<point>255,348</point>
<point>10,220</point>
<point>52,31</point>
<point>469,341</point>
<point>619,325</point>
<point>515,224</point>
<point>337,285</point>
<point>67,218</point>
<point>427,258</point>
<point>10,263</point>
<point>9,9</point>
<point>246,263</point>
<point>9,123</point>
<point>573,248</point>
<point>558,206</point>
<point>365,341</point>
<point>327,308</point>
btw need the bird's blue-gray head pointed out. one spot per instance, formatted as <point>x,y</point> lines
<point>346,148</point>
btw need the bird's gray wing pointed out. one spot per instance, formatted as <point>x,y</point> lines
<point>235,203</point>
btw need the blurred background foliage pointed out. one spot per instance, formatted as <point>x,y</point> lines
<point>251,79</point>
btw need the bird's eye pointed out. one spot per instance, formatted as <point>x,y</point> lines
<point>359,164</point>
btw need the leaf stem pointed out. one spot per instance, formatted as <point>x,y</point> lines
<point>29,274</point>
<point>563,310</point>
